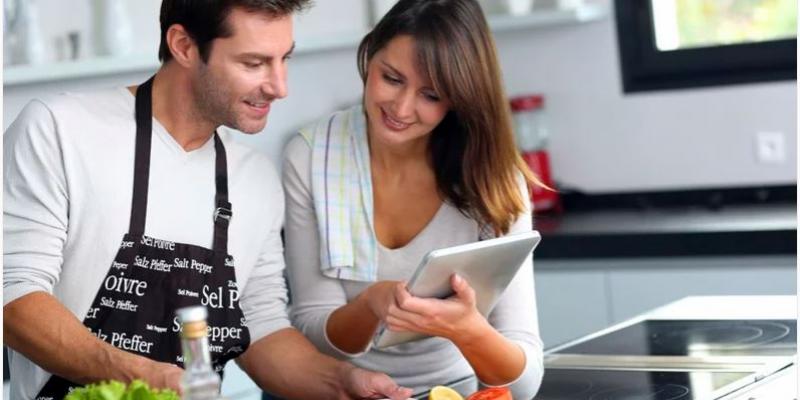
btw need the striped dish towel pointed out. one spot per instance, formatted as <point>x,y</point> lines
<point>341,185</point>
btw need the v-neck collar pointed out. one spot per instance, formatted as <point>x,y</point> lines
<point>419,236</point>
<point>168,140</point>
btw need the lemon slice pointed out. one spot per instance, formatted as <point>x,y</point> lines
<point>444,393</point>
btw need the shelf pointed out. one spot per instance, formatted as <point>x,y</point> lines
<point>101,66</point>
<point>67,70</point>
<point>537,19</point>
<point>104,66</point>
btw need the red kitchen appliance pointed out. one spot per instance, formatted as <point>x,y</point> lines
<point>531,134</point>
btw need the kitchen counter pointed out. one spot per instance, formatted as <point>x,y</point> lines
<point>686,224</point>
<point>781,385</point>
<point>727,307</point>
<point>773,362</point>
<point>707,308</point>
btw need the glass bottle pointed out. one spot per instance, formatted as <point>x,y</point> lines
<point>199,381</point>
<point>530,126</point>
<point>532,135</point>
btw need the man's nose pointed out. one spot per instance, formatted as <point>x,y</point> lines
<point>275,83</point>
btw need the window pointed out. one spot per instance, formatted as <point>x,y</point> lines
<point>668,44</point>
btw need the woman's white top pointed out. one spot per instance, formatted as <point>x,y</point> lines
<point>421,364</point>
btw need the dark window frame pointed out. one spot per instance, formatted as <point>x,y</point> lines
<point>645,68</point>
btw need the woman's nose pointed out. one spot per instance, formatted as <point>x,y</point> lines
<point>404,106</point>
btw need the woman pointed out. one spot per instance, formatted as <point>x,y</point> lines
<point>428,161</point>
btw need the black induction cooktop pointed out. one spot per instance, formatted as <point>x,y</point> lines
<point>699,338</point>
<point>587,384</point>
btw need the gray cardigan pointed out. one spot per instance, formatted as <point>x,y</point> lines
<point>422,364</point>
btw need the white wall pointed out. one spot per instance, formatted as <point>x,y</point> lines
<point>606,141</point>
<point>602,141</point>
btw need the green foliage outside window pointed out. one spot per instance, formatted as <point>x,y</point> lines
<point>702,23</point>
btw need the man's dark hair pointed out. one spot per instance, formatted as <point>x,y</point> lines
<point>205,20</point>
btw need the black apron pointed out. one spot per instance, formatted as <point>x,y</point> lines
<point>150,278</point>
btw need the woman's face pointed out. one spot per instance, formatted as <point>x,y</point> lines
<point>401,105</point>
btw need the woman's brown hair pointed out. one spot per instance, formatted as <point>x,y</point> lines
<point>474,156</point>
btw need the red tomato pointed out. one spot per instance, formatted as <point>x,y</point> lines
<point>491,394</point>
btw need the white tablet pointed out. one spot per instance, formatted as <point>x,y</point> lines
<point>488,266</point>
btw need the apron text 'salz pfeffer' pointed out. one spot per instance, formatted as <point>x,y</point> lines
<point>134,309</point>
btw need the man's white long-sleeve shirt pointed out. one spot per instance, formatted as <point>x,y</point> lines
<point>68,181</point>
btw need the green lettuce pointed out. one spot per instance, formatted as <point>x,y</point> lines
<point>115,390</point>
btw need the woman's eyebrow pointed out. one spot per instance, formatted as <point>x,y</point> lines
<point>400,74</point>
<point>394,70</point>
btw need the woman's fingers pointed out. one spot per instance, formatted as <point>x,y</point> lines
<point>399,325</point>
<point>429,315</point>
<point>463,290</point>
<point>399,312</point>
<point>380,296</point>
<point>436,307</point>
<point>417,305</point>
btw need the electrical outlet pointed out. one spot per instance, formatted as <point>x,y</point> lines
<point>770,147</point>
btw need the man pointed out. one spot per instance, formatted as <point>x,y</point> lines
<point>123,205</point>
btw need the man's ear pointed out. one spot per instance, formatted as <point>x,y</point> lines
<point>183,48</point>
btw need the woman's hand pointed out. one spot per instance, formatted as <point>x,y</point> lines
<point>350,328</point>
<point>455,318</point>
<point>380,297</point>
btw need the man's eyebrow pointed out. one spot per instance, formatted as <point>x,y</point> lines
<point>291,50</point>
<point>257,56</point>
<point>261,57</point>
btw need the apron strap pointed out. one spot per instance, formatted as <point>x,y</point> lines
<point>223,211</point>
<point>141,170</point>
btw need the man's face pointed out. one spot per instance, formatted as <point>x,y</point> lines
<point>245,72</point>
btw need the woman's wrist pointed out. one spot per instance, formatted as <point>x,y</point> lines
<point>473,333</point>
<point>365,299</point>
<point>373,298</point>
<point>349,328</point>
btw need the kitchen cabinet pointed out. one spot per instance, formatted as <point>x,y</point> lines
<point>571,302</point>
<point>576,297</point>
<point>656,282</point>
<point>609,257</point>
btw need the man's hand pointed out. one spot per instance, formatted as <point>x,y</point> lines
<point>287,365</point>
<point>363,384</point>
<point>163,376</point>
<point>39,327</point>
